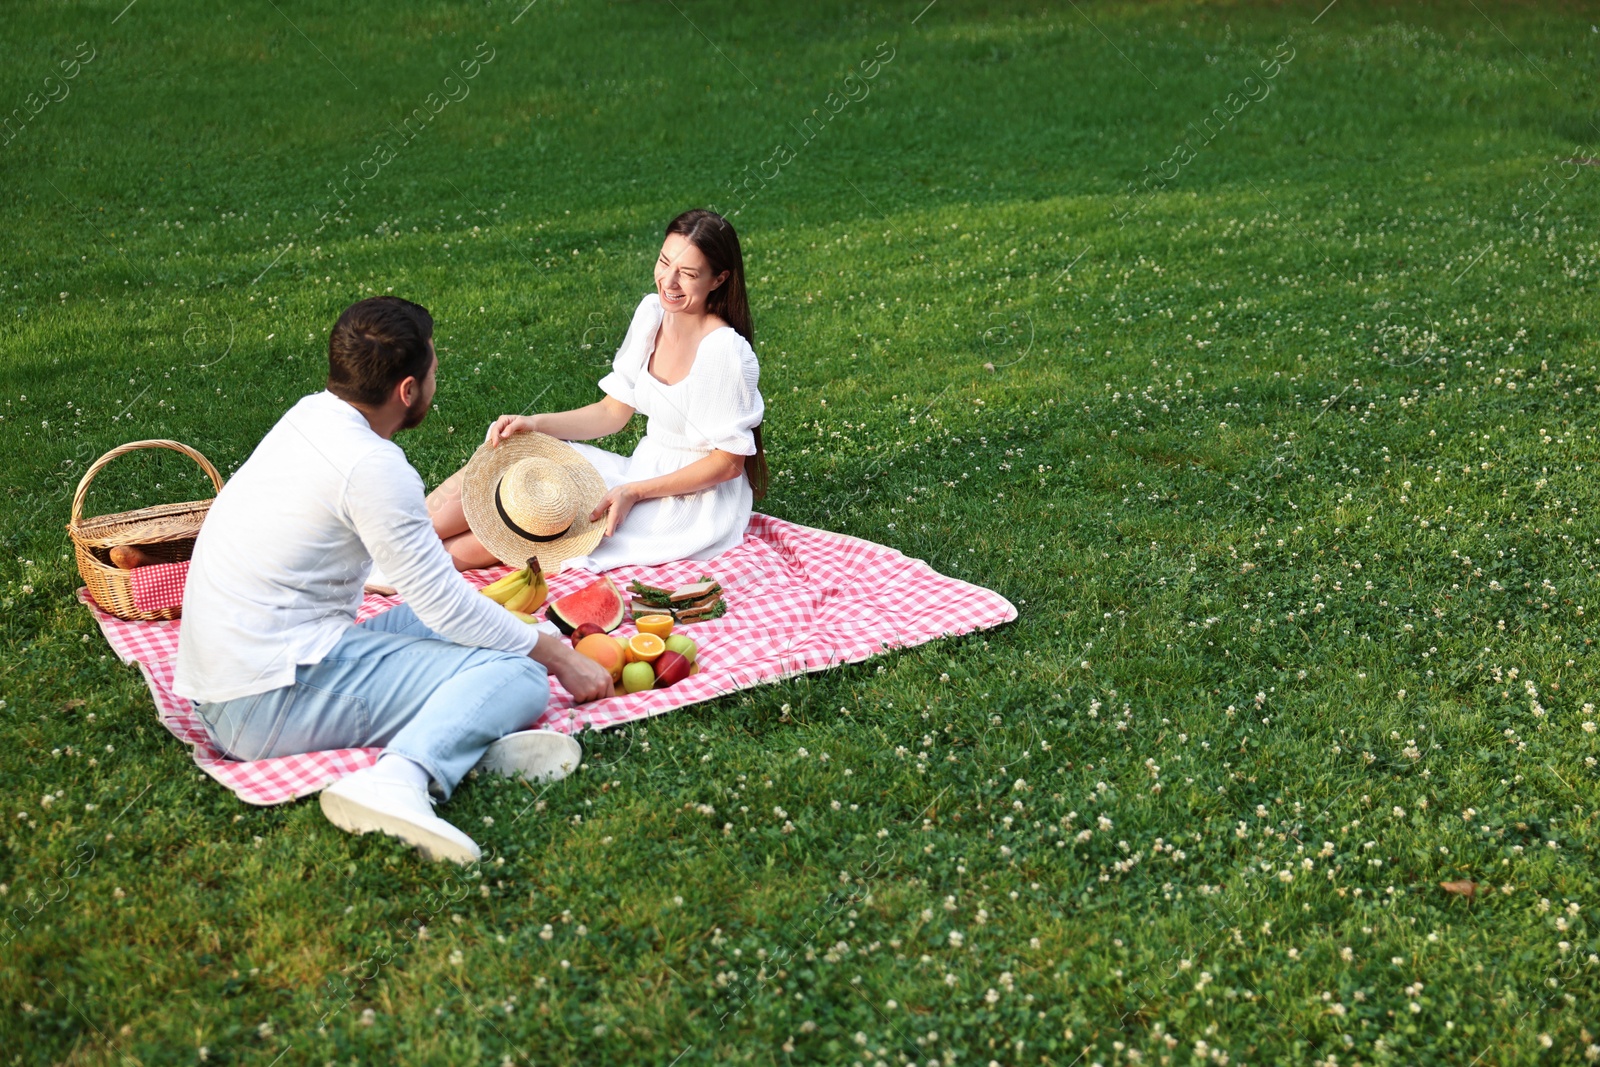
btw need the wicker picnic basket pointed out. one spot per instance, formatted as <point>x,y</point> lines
<point>165,532</point>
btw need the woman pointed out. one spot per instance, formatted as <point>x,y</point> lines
<point>687,364</point>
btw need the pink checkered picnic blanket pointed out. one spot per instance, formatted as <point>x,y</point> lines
<point>799,599</point>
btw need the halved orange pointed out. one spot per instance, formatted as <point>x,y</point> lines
<point>645,648</point>
<point>660,625</point>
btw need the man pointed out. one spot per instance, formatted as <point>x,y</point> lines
<point>269,649</point>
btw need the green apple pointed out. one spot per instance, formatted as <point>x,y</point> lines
<point>637,677</point>
<point>683,646</point>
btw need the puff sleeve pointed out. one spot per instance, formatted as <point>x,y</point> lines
<point>635,350</point>
<point>726,404</point>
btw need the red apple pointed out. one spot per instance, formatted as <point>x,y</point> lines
<point>671,667</point>
<point>584,630</point>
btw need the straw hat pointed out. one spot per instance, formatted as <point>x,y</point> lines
<point>531,496</point>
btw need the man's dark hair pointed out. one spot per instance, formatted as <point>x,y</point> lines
<point>377,344</point>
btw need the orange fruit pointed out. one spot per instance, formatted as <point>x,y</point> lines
<point>660,625</point>
<point>644,648</point>
<point>604,651</point>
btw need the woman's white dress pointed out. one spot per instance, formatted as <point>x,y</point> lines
<point>716,406</point>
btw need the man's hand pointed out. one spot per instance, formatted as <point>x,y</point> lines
<point>579,675</point>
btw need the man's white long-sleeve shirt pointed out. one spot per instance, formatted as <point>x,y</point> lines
<point>278,567</point>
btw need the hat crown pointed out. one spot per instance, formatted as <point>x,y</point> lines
<point>532,495</point>
<point>538,496</point>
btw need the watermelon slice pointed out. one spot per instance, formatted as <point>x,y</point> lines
<point>600,603</point>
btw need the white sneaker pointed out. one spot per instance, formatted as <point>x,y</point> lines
<point>539,755</point>
<point>361,802</point>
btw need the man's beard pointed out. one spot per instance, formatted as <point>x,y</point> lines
<point>416,413</point>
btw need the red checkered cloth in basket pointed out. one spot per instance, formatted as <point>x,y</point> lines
<point>159,586</point>
<point>799,599</point>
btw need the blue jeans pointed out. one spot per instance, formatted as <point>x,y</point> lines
<point>389,682</point>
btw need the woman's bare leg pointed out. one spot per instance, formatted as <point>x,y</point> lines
<point>468,552</point>
<point>444,507</point>
<point>450,523</point>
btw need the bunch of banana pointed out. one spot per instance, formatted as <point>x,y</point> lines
<point>520,592</point>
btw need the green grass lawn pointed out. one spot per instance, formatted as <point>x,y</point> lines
<point>1286,456</point>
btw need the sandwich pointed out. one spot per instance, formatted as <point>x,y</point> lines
<point>692,603</point>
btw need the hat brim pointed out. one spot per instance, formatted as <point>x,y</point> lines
<point>482,477</point>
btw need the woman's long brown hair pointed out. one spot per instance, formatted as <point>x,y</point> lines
<point>713,235</point>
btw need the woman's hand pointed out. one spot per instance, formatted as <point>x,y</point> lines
<point>619,501</point>
<point>507,426</point>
